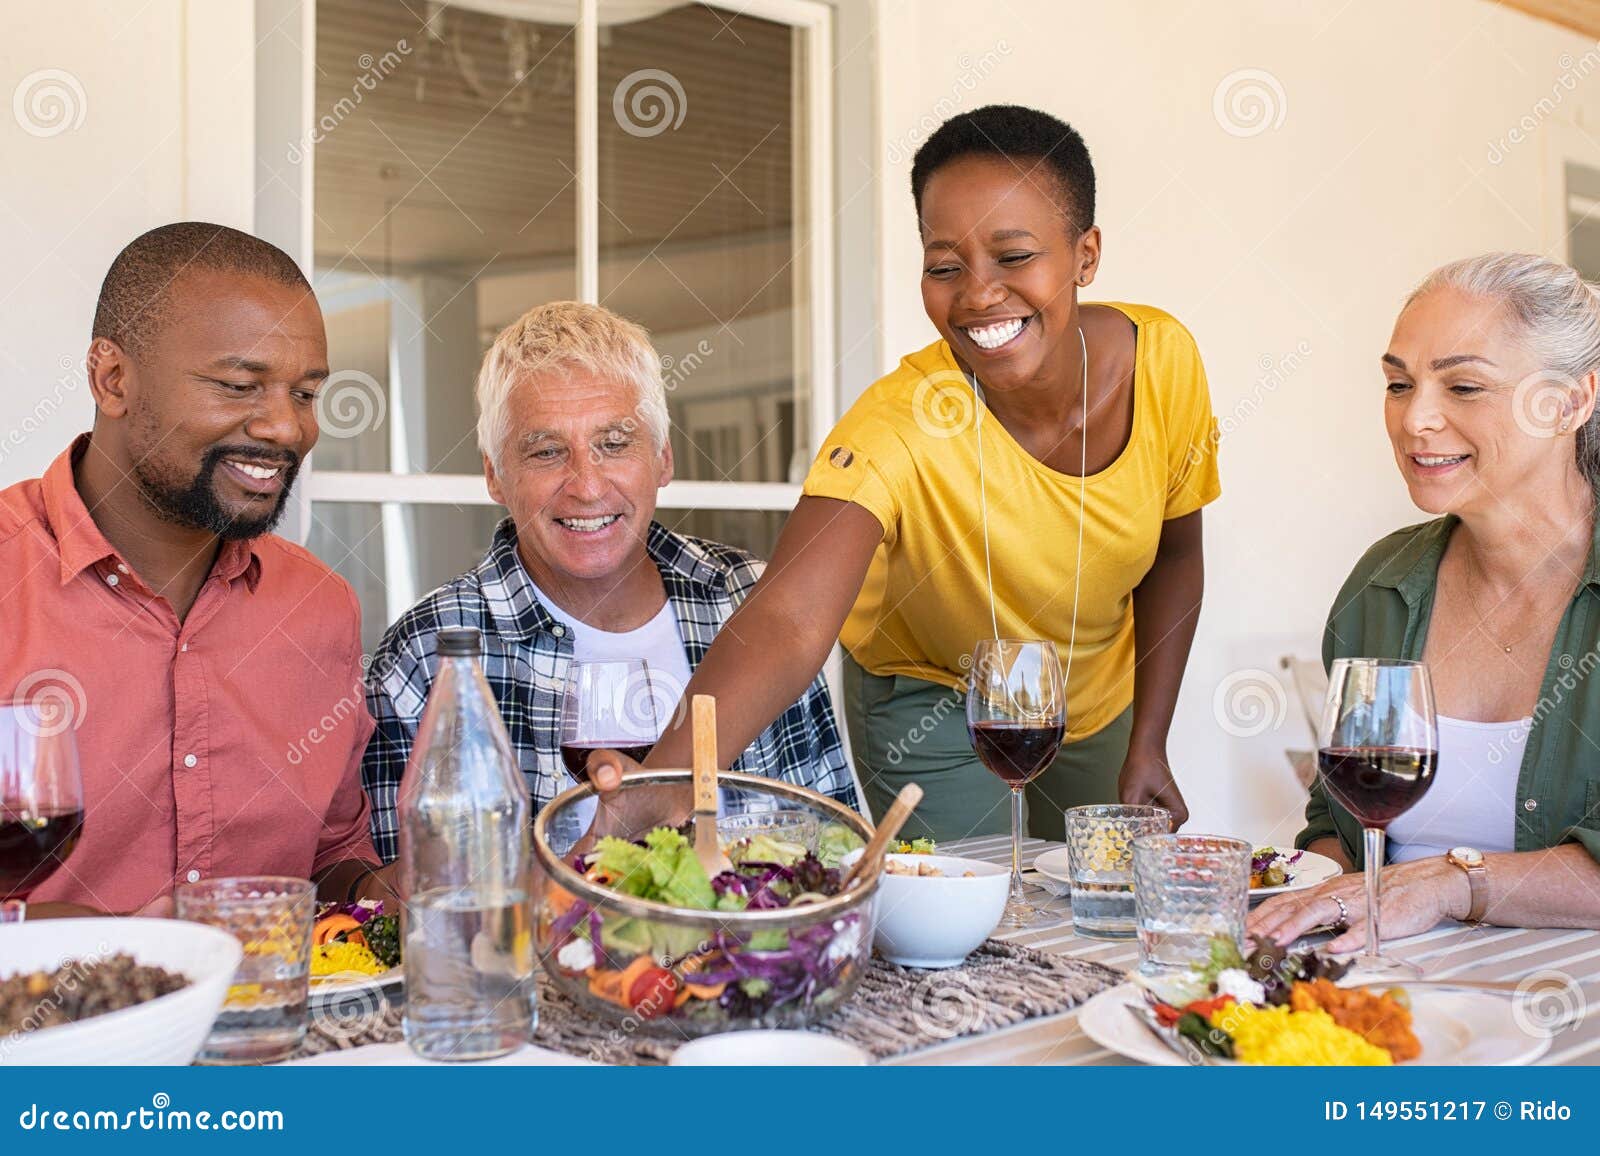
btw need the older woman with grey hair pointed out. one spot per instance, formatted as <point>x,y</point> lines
<point>1491,383</point>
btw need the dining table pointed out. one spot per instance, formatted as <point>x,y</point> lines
<point>1450,951</point>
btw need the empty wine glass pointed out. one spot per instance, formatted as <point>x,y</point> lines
<point>41,798</point>
<point>1016,718</point>
<point>1377,747</point>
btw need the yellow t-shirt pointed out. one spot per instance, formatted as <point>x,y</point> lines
<point>907,451</point>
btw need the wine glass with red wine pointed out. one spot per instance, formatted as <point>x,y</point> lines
<point>41,798</point>
<point>1016,718</point>
<point>608,704</point>
<point>1377,747</point>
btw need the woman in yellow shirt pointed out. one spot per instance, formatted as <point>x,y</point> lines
<point>887,550</point>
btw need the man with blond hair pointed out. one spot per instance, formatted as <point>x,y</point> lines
<point>573,430</point>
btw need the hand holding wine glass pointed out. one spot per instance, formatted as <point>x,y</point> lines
<point>1016,718</point>
<point>1377,748</point>
<point>41,798</point>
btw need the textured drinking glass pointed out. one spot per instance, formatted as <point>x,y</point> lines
<point>263,1020</point>
<point>1187,890</point>
<point>1100,853</point>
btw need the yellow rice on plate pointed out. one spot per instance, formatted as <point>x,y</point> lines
<point>335,958</point>
<point>1278,1037</point>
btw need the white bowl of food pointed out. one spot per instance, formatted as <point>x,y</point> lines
<point>932,910</point>
<point>51,968</point>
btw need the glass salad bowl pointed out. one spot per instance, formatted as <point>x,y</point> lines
<point>633,930</point>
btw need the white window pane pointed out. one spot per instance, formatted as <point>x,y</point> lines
<point>700,169</point>
<point>445,206</point>
<point>393,554</point>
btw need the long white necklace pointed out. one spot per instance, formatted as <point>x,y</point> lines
<point>1083,485</point>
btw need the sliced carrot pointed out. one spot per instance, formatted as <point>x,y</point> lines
<point>705,991</point>
<point>557,899</point>
<point>606,983</point>
<point>330,925</point>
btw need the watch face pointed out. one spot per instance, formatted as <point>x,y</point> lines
<point>1466,854</point>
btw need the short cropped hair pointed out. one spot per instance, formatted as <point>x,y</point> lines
<point>136,296</point>
<point>1018,134</point>
<point>558,337</point>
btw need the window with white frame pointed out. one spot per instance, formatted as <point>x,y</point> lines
<point>471,159</point>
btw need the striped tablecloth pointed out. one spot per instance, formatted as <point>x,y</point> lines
<point>1453,950</point>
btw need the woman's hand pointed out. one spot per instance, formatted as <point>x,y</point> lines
<point>1417,896</point>
<point>643,807</point>
<point>606,768</point>
<point>1146,778</point>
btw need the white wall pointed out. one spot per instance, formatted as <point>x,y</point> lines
<point>1308,232</point>
<point>131,116</point>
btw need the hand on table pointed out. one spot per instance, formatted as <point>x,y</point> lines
<point>1416,896</point>
<point>1146,779</point>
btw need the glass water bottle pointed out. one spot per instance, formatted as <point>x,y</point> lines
<point>465,871</point>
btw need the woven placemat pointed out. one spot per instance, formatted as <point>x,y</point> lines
<point>895,1010</point>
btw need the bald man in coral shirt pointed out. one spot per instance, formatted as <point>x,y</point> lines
<point>212,669</point>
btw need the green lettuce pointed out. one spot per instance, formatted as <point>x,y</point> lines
<point>664,870</point>
<point>835,841</point>
<point>763,848</point>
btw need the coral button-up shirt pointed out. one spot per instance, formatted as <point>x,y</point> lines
<point>229,743</point>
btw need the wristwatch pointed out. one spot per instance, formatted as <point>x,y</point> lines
<point>1470,860</point>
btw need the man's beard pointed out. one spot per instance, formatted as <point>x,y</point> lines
<point>197,505</point>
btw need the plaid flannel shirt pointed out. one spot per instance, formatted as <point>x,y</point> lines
<point>525,657</point>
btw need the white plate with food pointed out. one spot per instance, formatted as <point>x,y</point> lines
<point>1276,870</point>
<point>355,948</point>
<point>1453,1027</point>
<point>324,987</point>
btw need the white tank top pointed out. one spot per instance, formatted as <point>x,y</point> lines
<point>1473,799</point>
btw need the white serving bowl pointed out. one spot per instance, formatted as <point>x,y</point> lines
<point>746,1049</point>
<point>165,1030</point>
<point>936,920</point>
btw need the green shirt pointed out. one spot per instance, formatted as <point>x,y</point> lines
<point>1383,612</point>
